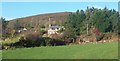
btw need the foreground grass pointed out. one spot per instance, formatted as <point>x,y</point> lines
<point>0,54</point>
<point>87,51</point>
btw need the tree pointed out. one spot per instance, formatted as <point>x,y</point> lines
<point>114,20</point>
<point>101,17</point>
<point>3,27</point>
<point>118,27</point>
<point>75,22</point>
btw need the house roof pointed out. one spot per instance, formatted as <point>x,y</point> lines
<point>54,27</point>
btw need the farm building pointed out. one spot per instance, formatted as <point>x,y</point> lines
<point>54,29</point>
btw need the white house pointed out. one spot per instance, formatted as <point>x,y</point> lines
<point>54,29</point>
<point>24,29</point>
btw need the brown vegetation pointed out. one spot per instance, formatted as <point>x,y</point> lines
<point>42,19</point>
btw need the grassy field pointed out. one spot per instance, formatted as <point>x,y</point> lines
<point>84,51</point>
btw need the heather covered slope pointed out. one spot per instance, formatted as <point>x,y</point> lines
<point>41,19</point>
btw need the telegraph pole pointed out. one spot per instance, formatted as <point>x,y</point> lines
<point>87,28</point>
<point>49,23</point>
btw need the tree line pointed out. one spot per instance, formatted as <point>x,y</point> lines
<point>104,20</point>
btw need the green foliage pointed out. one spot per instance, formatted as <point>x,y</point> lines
<point>32,40</point>
<point>118,26</point>
<point>100,18</point>
<point>75,22</point>
<point>103,19</point>
<point>42,27</point>
<point>114,18</point>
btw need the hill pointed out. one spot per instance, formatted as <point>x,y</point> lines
<point>41,19</point>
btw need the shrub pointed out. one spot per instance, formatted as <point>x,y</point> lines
<point>99,37</point>
<point>33,41</point>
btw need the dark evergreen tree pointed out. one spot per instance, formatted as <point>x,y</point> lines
<point>101,20</point>
<point>75,22</point>
<point>3,26</point>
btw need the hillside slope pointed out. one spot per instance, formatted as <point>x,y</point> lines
<point>42,19</point>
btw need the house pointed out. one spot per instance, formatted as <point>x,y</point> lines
<point>54,29</point>
<point>23,29</point>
